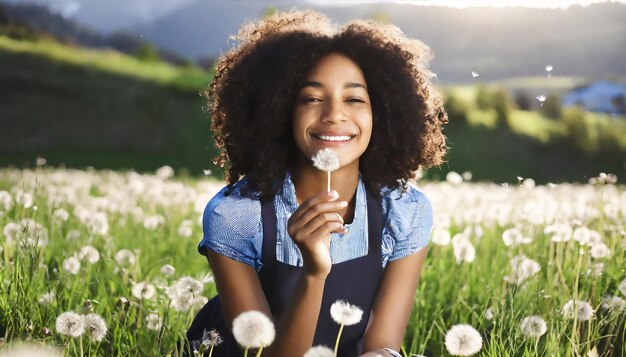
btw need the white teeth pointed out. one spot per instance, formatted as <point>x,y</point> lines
<point>334,138</point>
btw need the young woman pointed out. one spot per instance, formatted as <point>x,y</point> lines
<point>276,240</point>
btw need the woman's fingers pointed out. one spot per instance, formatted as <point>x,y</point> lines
<point>311,202</point>
<point>322,219</point>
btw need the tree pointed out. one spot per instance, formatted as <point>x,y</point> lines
<point>523,100</point>
<point>483,97</point>
<point>147,52</point>
<point>456,108</point>
<point>502,105</point>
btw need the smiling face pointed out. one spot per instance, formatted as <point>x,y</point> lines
<point>333,110</point>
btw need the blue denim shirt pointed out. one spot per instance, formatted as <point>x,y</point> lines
<point>233,227</point>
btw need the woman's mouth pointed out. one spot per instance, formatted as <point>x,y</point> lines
<point>334,138</point>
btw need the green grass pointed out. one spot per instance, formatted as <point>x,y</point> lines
<point>449,293</point>
<point>110,61</point>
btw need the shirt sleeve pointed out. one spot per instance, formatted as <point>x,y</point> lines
<point>232,227</point>
<point>409,222</point>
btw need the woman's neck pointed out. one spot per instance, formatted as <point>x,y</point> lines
<point>309,181</point>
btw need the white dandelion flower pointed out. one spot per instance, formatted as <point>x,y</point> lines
<point>464,251</point>
<point>463,340</point>
<point>600,251</point>
<point>143,290</point>
<point>613,303</point>
<point>125,258</point>
<point>252,329</point>
<point>441,236</point>
<point>6,201</point>
<point>168,270</point>
<point>186,228</point>
<point>326,160</point>
<point>513,237</point>
<point>319,351</point>
<point>24,199</point>
<point>95,326</point>
<point>184,292</point>
<point>584,311</point>
<point>164,172</point>
<point>533,326</point>
<point>489,313</point>
<point>89,253</point>
<point>593,352</point>
<point>153,222</point>
<point>622,287</point>
<point>70,324</point>
<point>46,299</point>
<point>71,265</point>
<point>61,215</point>
<point>154,322</point>
<point>454,178</point>
<point>523,268</point>
<point>596,269</point>
<point>30,350</point>
<point>345,313</point>
<point>559,232</point>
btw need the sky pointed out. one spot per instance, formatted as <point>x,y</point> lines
<point>470,3</point>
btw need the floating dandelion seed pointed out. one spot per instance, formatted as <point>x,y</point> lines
<point>541,99</point>
<point>70,324</point>
<point>584,310</point>
<point>463,340</point>
<point>252,329</point>
<point>533,326</point>
<point>319,351</point>
<point>326,160</point>
<point>549,68</point>
<point>206,172</point>
<point>95,326</point>
<point>475,74</point>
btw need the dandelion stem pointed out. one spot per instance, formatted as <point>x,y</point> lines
<point>245,352</point>
<point>328,181</point>
<point>338,337</point>
<point>211,350</point>
<point>258,354</point>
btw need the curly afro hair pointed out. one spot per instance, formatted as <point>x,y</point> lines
<point>252,96</point>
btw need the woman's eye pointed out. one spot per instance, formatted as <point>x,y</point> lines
<point>308,100</point>
<point>356,100</point>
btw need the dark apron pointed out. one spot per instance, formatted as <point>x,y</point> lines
<point>354,281</point>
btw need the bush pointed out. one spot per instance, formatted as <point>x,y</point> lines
<point>523,100</point>
<point>483,98</point>
<point>552,106</point>
<point>147,52</point>
<point>456,108</point>
<point>502,105</point>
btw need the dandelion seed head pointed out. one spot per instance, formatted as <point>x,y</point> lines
<point>252,329</point>
<point>622,287</point>
<point>319,351</point>
<point>95,326</point>
<point>153,322</point>
<point>584,310</point>
<point>46,299</point>
<point>345,313</point>
<point>124,258</point>
<point>168,270</point>
<point>600,251</point>
<point>71,265</point>
<point>143,290</point>
<point>463,340</point>
<point>326,160</point>
<point>613,303</point>
<point>70,324</point>
<point>533,326</point>
<point>89,253</point>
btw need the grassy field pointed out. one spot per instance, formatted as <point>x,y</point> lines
<point>99,242</point>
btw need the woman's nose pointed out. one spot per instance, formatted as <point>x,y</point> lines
<point>334,112</point>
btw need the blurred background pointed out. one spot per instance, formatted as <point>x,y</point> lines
<point>537,90</point>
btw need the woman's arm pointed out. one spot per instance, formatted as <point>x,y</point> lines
<point>393,304</point>
<point>240,289</point>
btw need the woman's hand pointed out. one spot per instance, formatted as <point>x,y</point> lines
<point>310,228</point>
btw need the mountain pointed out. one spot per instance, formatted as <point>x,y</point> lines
<point>495,42</point>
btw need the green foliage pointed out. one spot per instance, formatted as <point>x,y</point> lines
<point>147,52</point>
<point>551,108</point>
<point>523,100</point>
<point>502,106</point>
<point>456,109</point>
<point>484,97</point>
